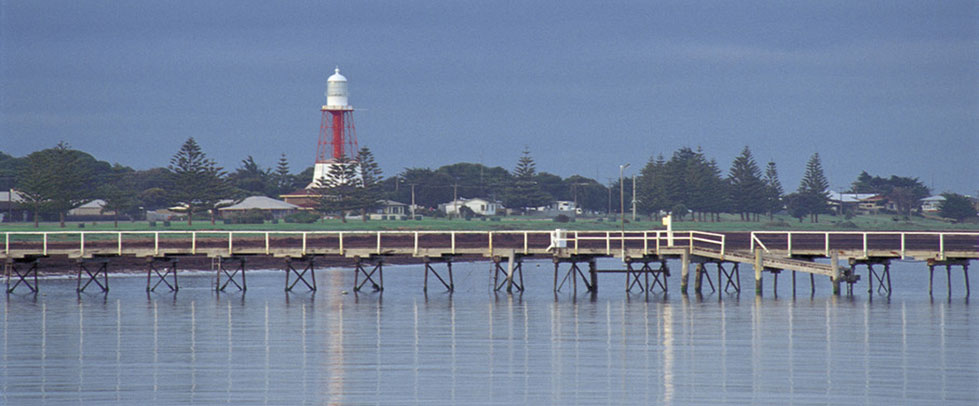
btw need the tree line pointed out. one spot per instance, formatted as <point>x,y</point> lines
<point>55,180</point>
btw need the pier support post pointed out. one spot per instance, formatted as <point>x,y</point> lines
<point>450,286</point>
<point>310,268</point>
<point>514,269</point>
<point>378,269</point>
<point>759,267</point>
<point>102,268</point>
<point>698,277</point>
<point>161,277</point>
<point>593,275</point>
<point>222,270</point>
<point>965,271</point>
<point>11,267</point>
<point>835,266</point>
<point>684,270</point>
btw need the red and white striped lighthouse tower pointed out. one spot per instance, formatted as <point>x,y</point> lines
<point>338,136</point>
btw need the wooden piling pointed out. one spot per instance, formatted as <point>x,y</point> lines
<point>593,274</point>
<point>684,270</point>
<point>759,267</point>
<point>835,265</point>
<point>698,276</point>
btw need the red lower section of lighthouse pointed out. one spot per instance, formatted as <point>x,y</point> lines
<point>338,137</point>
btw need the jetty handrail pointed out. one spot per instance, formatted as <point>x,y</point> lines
<point>865,238</point>
<point>231,236</point>
<point>652,240</point>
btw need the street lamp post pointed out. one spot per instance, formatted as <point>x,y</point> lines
<point>412,201</point>
<point>622,207</point>
<point>633,198</point>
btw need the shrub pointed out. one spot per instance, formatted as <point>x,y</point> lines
<point>562,218</point>
<point>302,217</point>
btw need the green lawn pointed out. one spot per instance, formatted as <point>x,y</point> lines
<point>727,223</point>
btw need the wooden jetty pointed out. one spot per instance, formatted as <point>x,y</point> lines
<point>644,255</point>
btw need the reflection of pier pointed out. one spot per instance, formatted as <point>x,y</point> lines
<point>644,255</point>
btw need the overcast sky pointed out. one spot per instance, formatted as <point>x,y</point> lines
<point>890,87</point>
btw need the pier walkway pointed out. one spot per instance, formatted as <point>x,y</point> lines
<point>765,251</point>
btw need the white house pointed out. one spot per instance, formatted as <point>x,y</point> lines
<point>90,209</point>
<point>479,206</point>
<point>274,208</point>
<point>931,204</point>
<point>390,210</point>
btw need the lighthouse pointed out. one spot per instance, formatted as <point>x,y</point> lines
<point>338,136</point>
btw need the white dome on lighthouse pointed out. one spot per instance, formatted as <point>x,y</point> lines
<point>336,89</point>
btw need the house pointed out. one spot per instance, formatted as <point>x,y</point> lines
<point>12,207</point>
<point>931,204</point>
<point>856,203</point>
<point>273,208</point>
<point>90,210</point>
<point>390,210</point>
<point>479,206</point>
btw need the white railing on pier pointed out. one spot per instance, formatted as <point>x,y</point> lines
<point>865,245</point>
<point>61,241</point>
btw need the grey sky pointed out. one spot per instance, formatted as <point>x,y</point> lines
<point>888,87</point>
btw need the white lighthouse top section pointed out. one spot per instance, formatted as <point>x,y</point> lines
<point>336,90</point>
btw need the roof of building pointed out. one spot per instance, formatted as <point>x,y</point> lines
<point>936,198</point>
<point>393,203</point>
<point>851,197</point>
<point>94,204</point>
<point>261,203</point>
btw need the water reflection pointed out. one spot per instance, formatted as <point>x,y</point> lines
<point>477,346</point>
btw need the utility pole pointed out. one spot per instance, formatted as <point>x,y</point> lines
<point>633,198</point>
<point>622,207</point>
<point>412,201</point>
<point>609,211</point>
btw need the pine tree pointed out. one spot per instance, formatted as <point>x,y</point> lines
<point>525,190</point>
<point>197,181</point>
<point>773,191</point>
<point>370,181</point>
<point>282,178</point>
<point>340,189</point>
<point>747,191</point>
<point>57,179</point>
<point>651,187</point>
<point>814,188</point>
<point>251,179</point>
<point>33,181</point>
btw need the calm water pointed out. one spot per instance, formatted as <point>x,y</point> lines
<point>268,347</point>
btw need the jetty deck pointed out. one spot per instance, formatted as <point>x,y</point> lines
<point>772,251</point>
